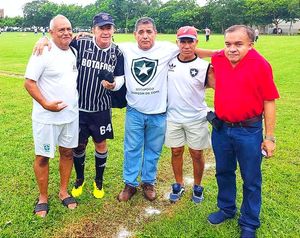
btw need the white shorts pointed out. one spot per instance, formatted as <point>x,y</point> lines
<point>193,134</point>
<point>47,136</point>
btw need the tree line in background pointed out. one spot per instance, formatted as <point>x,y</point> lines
<point>216,14</point>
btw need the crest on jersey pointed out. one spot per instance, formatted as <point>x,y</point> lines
<point>113,56</point>
<point>194,72</point>
<point>143,70</point>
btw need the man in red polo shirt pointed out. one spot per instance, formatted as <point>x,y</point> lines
<point>244,94</point>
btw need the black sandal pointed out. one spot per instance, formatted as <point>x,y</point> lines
<point>67,201</point>
<point>39,207</point>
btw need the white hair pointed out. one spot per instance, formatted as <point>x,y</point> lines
<point>52,22</point>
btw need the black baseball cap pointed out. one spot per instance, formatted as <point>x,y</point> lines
<point>102,19</point>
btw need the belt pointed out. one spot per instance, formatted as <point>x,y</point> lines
<point>245,123</point>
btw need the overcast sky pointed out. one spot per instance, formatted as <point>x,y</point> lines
<point>13,8</point>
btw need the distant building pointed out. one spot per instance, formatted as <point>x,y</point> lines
<point>285,28</point>
<point>1,13</point>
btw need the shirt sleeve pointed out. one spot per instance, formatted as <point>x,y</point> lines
<point>120,80</point>
<point>119,70</point>
<point>268,88</point>
<point>36,66</point>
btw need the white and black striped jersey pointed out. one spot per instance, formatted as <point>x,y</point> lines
<point>91,60</point>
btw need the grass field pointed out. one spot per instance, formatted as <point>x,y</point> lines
<point>107,217</point>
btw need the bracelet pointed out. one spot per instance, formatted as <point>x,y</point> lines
<point>270,138</point>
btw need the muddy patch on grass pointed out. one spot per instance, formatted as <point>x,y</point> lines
<point>126,219</point>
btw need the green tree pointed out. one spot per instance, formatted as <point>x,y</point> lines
<point>225,13</point>
<point>267,11</point>
<point>72,12</point>
<point>11,22</point>
<point>176,13</point>
<point>32,15</point>
<point>293,13</point>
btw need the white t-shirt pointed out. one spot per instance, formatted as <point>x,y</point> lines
<point>56,73</point>
<point>146,75</point>
<point>207,31</point>
<point>186,90</point>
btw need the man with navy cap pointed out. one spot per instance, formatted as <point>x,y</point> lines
<point>98,59</point>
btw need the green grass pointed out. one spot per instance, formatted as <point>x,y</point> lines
<point>104,218</point>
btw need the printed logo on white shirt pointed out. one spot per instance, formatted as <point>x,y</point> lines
<point>194,72</point>
<point>171,67</point>
<point>143,70</point>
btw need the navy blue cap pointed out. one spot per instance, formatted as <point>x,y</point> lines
<point>102,19</point>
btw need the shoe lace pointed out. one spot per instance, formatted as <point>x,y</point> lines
<point>176,188</point>
<point>198,191</point>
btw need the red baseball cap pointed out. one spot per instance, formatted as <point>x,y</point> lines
<point>187,32</point>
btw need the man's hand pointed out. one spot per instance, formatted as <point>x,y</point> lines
<point>269,147</point>
<point>40,45</point>
<point>83,34</point>
<point>108,85</point>
<point>55,106</point>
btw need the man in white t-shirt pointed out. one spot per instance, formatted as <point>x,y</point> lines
<point>188,77</point>
<point>51,81</point>
<point>207,33</point>
<point>146,67</point>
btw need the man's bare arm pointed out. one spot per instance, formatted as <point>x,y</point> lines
<point>211,78</point>
<point>204,53</point>
<point>44,41</point>
<point>268,143</point>
<point>40,45</point>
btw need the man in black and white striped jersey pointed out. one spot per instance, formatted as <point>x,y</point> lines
<point>98,59</point>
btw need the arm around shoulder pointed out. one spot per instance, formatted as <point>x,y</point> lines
<point>40,45</point>
<point>204,53</point>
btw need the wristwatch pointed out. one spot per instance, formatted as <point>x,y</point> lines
<point>270,138</point>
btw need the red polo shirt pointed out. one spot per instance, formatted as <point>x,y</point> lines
<point>240,92</point>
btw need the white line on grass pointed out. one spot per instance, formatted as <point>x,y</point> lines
<point>124,233</point>
<point>150,211</point>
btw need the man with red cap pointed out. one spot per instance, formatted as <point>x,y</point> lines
<point>188,77</point>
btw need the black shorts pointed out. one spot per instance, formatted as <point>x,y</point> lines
<point>95,124</point>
